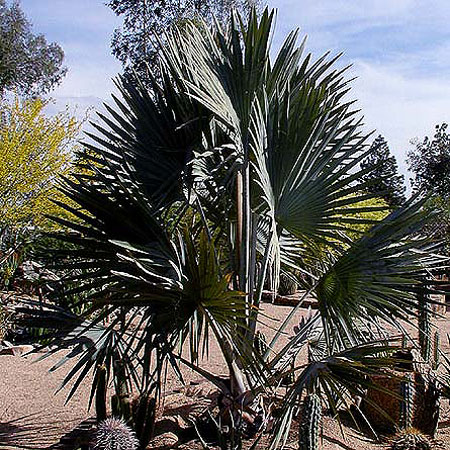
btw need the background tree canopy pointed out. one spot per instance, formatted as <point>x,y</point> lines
<point>384,180</point>
<point>430,162</point>
<point>134,44</point>
<point>28,64</point>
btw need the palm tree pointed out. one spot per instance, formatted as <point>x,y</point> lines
<point>231,167</point>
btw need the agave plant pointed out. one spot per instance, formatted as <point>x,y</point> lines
<point>194,189</point>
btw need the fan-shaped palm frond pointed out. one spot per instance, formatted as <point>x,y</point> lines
<point>91,342</point>
<point>377,276</point>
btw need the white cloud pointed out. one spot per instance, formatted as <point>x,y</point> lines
<point>399,107</point>
<point>87,16</point>
<point>326,13</point>
<point>83,28</point>
<point>399,48</point>
<point>88,79</point>
<point>400,53</point>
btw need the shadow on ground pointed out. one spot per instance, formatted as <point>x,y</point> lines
<point>31,432</point>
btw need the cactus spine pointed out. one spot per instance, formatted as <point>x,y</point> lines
<point>424,323</point>
<point>310,423</point>
<point>437,344</point>
<point>407,392</point>
<point>114,434</point>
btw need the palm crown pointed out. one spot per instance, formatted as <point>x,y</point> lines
<point>230,167</point>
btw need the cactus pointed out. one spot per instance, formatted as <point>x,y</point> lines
<point>144,416</point>
<point>310,423</point>
<point>427,411</point>
<point>120,402</point>
<point>288,285</point>
<point>407,392</point>
<point>121,406</point>
<point>100,394</point>
<point>437,344</point>
<point>424,323</point>
<point>114,434</point>
<point>410,439</point>
<point>139,413</point>
<point>404,342</point>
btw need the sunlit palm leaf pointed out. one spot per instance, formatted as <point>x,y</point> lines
<point>378,275</point>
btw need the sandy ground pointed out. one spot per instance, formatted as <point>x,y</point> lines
<point>33,417</point>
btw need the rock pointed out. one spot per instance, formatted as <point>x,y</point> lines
<point>426,402</point>
<point>16,350</point>
<point>182,422</point>
<point>164,441</point>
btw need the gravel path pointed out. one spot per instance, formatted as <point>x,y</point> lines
<point>33,417</point>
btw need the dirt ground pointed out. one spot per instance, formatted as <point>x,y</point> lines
<point>32,416</point>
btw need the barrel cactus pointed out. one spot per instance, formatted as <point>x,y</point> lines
<point>310,423</point>
<point>410,439</point>
<point>288,285</point>
<point>427,410</point>
<point>114,434</point>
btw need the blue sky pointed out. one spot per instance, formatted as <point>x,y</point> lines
<point>400,51</point>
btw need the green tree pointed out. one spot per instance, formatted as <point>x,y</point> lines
<point>383,179</point>
<point>135,44</point>
<point>234,166</point>
<point>28,64</point>
<point>34,151</point>
<point>430,163</point>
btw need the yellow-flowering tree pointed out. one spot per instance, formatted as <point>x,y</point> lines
<point>35,150</point>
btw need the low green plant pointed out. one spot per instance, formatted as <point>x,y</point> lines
<point>8,269</point>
